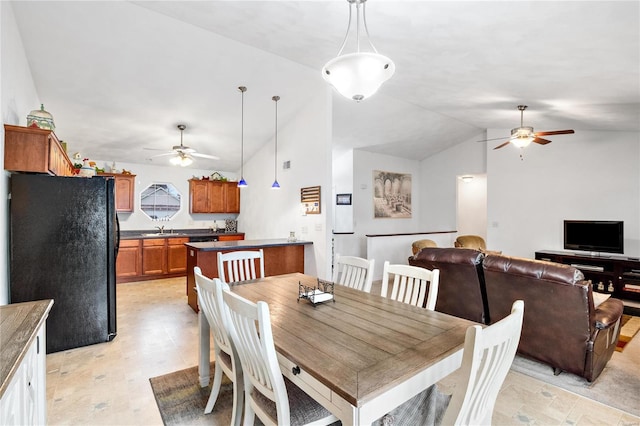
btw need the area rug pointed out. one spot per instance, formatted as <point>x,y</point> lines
<point>181,400</point>
<point>630,326</point>
<point>618,385</point>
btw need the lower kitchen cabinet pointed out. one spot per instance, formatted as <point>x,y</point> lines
<point>128,261</point>
<point>24,397</point>
<point>151,258</point>
<point>176,255</point>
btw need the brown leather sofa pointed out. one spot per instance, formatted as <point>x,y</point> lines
<point>561,326</point>
<point>461,290</point>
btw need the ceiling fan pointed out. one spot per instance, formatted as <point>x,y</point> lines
<point>183,155</point>
<point>522,136</point>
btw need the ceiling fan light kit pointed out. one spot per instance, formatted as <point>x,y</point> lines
<point>358,75</point>
<point>522,136</point>
<point>183,155</point>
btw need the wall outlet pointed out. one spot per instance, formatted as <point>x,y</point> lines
<point>319,227</point>
<point>304,230</point>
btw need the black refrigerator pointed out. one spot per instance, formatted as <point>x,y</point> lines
<point>64,241</point>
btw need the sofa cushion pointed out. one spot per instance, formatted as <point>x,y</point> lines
<point>461,290</point>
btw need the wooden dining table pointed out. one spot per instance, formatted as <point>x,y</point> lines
<point>360,355</point>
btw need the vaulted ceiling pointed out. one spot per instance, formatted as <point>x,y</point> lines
<point>119,76</point>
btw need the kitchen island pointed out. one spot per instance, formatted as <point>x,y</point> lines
<point>280,257</point>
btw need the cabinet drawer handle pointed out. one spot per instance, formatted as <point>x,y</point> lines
<point>295,370</point>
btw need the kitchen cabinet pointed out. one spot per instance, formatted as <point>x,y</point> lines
<point>125,190</point>
<point>151,258</point>
<point>31,149</point>
<point>231,237</point>
<point>211,196</point>
<point>176,255</point>
<point>154,256</point>
<point>128,263</point>
<point>23,398</point>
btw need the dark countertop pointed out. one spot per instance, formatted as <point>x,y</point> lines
<point>20,322</point>
<point>224,245</point>
<point>173,233</point>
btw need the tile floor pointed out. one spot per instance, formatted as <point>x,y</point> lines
<point>108,383</point>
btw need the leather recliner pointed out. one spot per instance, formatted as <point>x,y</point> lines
<point>461,290</point>
<point>561,326</point>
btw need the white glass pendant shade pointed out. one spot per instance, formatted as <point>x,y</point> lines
<point>358,75</point>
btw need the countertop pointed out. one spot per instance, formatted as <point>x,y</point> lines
<point>224,245</point>
<point>18,326</point>
<point>173,233</point>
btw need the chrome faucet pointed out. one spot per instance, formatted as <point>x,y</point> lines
<point>161,229</point>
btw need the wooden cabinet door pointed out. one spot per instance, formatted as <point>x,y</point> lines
<point>128,261</point>
<point>232,198</point>
<point>217,197</point>
<point>199,196</point>
<point>125,185</point>
<point>154,256</point>
<point>124,189</point>
<point>176,255</point>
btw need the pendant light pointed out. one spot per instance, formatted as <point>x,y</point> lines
<point>358,75</point>
<point>275,184</point>
<point>242,183</point>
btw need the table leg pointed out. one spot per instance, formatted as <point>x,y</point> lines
<point>205,341</point>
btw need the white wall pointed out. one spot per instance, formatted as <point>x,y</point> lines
<point>147,174</point>
<point>438,182</point>
<point>364,163</point>
<point>18,97</point>
<point>589,175</point>
<point>266,213</point>
<point>472,206</point>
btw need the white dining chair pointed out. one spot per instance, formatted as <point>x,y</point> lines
<point>410,284</point>
<point>268,395</point>
<point>487,357</point>
<point>227,361</point>
<point>240,265</point>
<point>354,272</point>
<point>486,360</point>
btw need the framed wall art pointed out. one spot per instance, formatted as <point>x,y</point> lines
<point>391,195</point>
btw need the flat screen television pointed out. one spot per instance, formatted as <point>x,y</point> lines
<point>594,235</point>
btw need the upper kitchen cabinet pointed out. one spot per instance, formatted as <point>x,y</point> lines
<point>212,196</point>
<point>31,149</point>
<point>125,188</point>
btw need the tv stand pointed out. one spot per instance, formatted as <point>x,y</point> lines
<point>616,275</point>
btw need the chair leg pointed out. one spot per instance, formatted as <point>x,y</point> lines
<point>249,413</point>
<point>215,389</point>
<point>238,397</point>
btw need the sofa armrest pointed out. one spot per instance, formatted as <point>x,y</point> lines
<point>608,312</point>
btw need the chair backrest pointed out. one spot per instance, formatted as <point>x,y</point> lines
<point>240,265</point>
<point>470,241</point>
<point>487,358</point>
<point>418,245</point>
<point>212,305</point>
<point>354,272</point>
<point>461,288</point>
<point>410,284</point>
<point>251,332</point>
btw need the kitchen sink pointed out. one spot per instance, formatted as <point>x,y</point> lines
<point>164,234</point>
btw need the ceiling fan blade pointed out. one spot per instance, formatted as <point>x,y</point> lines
<point>554,132</point>
<point>504,144</point>
<point>163,155</point>
<point>212,157</point>
<point>487,140</point>
<point>541,141</point>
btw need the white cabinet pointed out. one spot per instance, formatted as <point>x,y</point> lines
<point>24,400</point>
